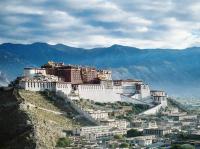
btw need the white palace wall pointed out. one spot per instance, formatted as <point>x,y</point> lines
<point>145,91</point>
<point>42,86</point>
<point>104,92</point>
<point>99,93</point>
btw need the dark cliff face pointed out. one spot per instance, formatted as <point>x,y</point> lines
<point>15,132</point>
<point>176,71</point>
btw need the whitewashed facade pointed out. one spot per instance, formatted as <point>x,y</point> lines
<point>121,124</point>
<point>38,85</point>
<point>98,115</point>
<point>98,132</point>
<point>30,72</point>
<point>106,91</point>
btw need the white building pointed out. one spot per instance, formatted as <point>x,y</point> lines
<point>41,85</point>
<point>30,71</point>
<point>98,114</point>
<point>121,124</point>
<point>182,116</point>
<point>104,74</point>
<point>137,123</point>
<point>150,124</point>
<point>97,132</point>
<point>141,140</point>
<point>159,101</point>
<point>90,129</point>
<point>143,90</point>
<point>159,97</point>
<point>156,131</point>
<point>108,90</point>
<point>112,91</point>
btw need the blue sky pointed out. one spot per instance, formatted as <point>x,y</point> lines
<point>97,23</point>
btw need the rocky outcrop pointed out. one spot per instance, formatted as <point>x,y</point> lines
<point>30,120</point>
<point>16,130</point>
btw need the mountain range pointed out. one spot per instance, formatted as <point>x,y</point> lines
<point>175,70</point>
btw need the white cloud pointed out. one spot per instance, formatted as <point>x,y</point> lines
<point>143,24</point>
<point>20,9</point>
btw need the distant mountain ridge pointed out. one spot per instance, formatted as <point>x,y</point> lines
<point>176,71</point>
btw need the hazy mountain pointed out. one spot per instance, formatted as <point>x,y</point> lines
<point>176,71</point>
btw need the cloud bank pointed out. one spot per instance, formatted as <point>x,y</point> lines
<point>94,23</point>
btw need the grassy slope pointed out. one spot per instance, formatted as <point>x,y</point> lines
<point>49,126</point>
<point>32,119</point>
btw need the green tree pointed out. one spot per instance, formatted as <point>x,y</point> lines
<point>175,146</point>
<point>187,146</point>
<point>183,146</point>
<point>113,146</point>
<point>118,137</point>
<point>124,145</point>
<point>133,133</point>
<point>183,136</point>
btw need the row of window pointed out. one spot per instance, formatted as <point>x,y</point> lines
<point>91,87</point>
<point>154,131</point>
<point>45,85</point>
<point>40,85</point>
<point>62,86</point>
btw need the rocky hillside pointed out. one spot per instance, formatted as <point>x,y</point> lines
<point>32,119</point>
<point>15,124</point>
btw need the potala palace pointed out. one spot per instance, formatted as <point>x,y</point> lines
<point>78,82</point>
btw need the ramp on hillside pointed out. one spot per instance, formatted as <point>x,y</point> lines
<point>137,101</point>
<point>82,115</point>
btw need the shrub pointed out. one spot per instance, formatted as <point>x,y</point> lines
<point>184,146</point>
<point>118,137</point>
<point>113,146</point>
<point>175,146</point>
<point>63,142</point>
<point>100,104</point>
<point>187,146</point>
<point>124,145</point>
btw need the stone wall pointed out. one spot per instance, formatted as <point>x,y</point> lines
<point>155,109</point>
<point>103,92</point>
